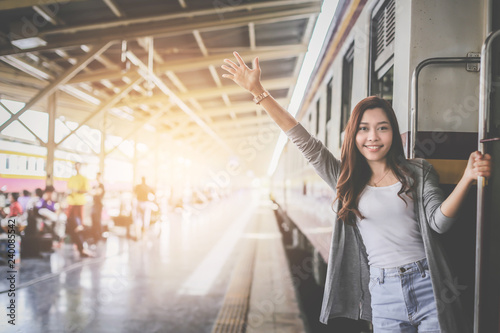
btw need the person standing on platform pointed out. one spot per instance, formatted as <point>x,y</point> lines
<point>24,199</point>
<point>78,186</point>
<point>98,195</point>
<point>386,263</point>
<point>143,207</point>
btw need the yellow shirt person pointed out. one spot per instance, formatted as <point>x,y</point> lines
<point>78,185</point>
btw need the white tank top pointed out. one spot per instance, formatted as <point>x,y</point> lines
<point>389,230</point>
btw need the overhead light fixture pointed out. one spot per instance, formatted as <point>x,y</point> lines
<point>28,43</point>
<point>80,94</point>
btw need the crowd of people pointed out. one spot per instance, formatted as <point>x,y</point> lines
<point>49,217</point>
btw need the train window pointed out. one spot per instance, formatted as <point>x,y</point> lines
<point>383,86</point>
<point>382,50</point>
<point>328,107</point>
<point>7,162</point>
<point>347,76</point>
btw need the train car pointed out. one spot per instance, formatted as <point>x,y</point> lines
<point>22,167</point>
<point>424,57</point>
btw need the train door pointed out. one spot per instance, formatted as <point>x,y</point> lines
<point>487,300</point>
<point>476,234</point>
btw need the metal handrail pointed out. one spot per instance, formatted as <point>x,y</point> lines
<point>484,90</point>
<point>414,89</point>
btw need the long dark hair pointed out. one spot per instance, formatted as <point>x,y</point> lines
<point>355,171</point>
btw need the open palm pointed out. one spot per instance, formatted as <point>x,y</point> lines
<point>241,74</point>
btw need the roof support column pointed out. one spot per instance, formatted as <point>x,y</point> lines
<point>51,145</point>
<point>157,163</point>
<point>102,153</point>
<point>135,159</point>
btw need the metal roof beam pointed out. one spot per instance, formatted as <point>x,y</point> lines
<point>14,4</point>
<point>45,76</point>
<point>230,130</point>
<point>104,107</point>
<point>273,84</point>
<point>234,89</point>
<point>251,35</point>
<point>264,54</point>
<point>47,15</point>
<point>199,41</point>
<point>176,99</point>
<point>151,118</point>
<point>62,79</point>
<point>237,108</point>
<point>81,139</point>
<point>235,122</point>
<point>184,14</point>
<point>40,141</point>
<point>248,130</point>
<point>114,8</point>
<point>163,30</point>
<point>240,107</point>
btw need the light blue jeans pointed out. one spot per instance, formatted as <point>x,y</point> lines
<point>402,299</point>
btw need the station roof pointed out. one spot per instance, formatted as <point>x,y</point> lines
<point>153,63</point>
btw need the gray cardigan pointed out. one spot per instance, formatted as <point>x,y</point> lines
<point>346,291</point>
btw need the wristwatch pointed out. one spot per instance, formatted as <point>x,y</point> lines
<point>257,99</point>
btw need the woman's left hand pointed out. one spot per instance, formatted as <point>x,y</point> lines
<point>479,165</point>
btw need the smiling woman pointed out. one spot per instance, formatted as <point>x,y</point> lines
<point>386,208</point>
<point>373,154</point>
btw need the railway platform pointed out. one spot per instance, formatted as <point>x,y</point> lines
<point>220,268</point>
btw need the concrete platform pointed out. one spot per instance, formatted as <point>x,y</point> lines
<point>261,295</point>
<point>174,280</point>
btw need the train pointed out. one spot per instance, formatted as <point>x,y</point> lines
<point>426,59</point>
<point>23,167</point>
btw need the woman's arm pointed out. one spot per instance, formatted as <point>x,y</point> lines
<point>323,161</point>
<point>478,166</point>
<point>249,79</point>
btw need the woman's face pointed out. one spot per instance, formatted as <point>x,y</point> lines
<point>374,135</point>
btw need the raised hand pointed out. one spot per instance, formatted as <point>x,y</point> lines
<point>242,75</point>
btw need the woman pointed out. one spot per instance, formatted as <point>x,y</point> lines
<point>385,263</point>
